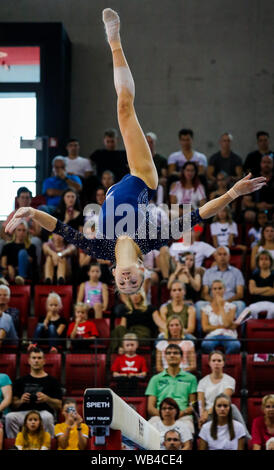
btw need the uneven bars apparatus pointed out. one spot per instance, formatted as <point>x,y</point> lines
<point>104,410</point>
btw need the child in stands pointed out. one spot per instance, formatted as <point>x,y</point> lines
<point>33,436</point>
<point>93,292</point>
<point>72,434</point>
<point>82,328</point>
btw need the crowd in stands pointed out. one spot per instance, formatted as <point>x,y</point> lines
<point>187,308</point>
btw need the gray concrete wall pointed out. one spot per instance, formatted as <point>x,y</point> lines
<point>208,65</point>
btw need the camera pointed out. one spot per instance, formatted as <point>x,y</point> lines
<point>33,397</point>
<point>182,259</point>
<point>71,409</point>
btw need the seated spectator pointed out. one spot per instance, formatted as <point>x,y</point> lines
<point>255,232</point>
<point>232,278</point>
<point>188,190</point>
<point>129,368</point>
<point>54,186</point>
<point>4,306</point>
<point>263,426</point>
<point>270,444</point>
<point>261,283</point>
<point>218,322</point>
<point>266,243</point>
<point>223,230</point>
<point>210,386</point>
<point>69,210</point>
<point>177,306</point>
<point>174,383</point>
<point>187,273</point>
<point>107,180</point>
<point>172,441</point>
<point>223,432</point>
<point>253,159</point>
<point>159,161</point>
<point>53,326</point>
<point>5,395</point>
<point>23,199</point>
<point>19,256</point>
<point>93,292</point>
<point>72,434</point>
<point>222,186</point>
<point>177,159</point>
<point>8,333</point>
<point>75,164</point>
<point>175,335</point>
<point>169,413</point>
<point>33,436</point>
<point>225,160</point>
<point>201,250</point>
<point>109,158</point>
<point>58,257</point>
<point>82,328</point>
<point>136,317</point>
<point>264,199</point>
<point>37,390</point>
<point>100,195</point>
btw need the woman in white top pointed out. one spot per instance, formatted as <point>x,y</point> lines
<point>188,190</point>
<point>175,335</point>
<point>266,243</point>
<point>218,322</point>
<point>223,432</point>
<point>223,230</point>
<point>169,413</point>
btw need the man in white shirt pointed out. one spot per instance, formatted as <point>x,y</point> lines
<point>177,159</point>
<point>201,250</point>
<point>77,165</point>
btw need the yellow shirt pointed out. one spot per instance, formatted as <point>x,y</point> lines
<point>59,430</point>
<point>33,442</point>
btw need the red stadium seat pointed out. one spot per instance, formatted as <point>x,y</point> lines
<point>254,409</point>
<point>8,443</point>
<point>40,296</point>
<point>20,299</point>
<point>139,404</point>
<point>260,329</point>
<point>208,262</point>
<point>155,295</point>
<point>164,294</point>
<point>103,327</point>
<point>233,367</point>
<point>236,401</point>
<point>36,201</point>
<point>259,376</point>
<point>52,365</point>
<point>8,365</point>
<point>84,370</point>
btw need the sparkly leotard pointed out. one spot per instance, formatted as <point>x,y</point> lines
<point>130,190</point>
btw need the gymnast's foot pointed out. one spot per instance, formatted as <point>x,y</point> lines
<point>112,26</point>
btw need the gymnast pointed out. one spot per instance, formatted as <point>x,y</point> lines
<point>136,188</point>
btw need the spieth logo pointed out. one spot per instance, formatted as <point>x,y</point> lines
<point>100,404</point>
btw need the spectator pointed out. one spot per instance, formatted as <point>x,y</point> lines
<point>218,322</point>
<point>54,186</point>
<point>172,441</point>
<point>201,250</point>
<point>107,180</point>
<point>72,434</point>
<point>264,199</point>
<point>178,306</point>
<point>232,278</point>
<point>270,444</point>
<point>24,199</point>
<point>255,232</point>
<point>188,190</point>
<point>266,243</point>
<point>223,432</point>
<point>100,196</point>
<point>136,317</point>
<point>37,390</point>
<point>225,160</point>
<point>4,306</point>
<point>174,383</point>
<point>81,328</point>
<point>187,273</point>
<point>75,164</point>
<point>169,413</point>
<point>8,333</point>
<point>58,256</point>
<point>109,158</point>
<point>253,159</point>
<point>69,210</point>
<point>263,426</point>
<point>222,187</point>
<point>93,292</point>
<point>19,256</point>
<point>33,436</point>
<point>223,230</point>
<point>261,283</point>
<point>53,326</point>
<point>159,161</point>
<point>129,368</point>
<point>5,395</point>
<point>177,159</point>
<point>210,386</point>
<point>175,335</point>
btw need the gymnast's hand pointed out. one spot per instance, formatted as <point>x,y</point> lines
<point>24,213</point>
<point>247,185</point>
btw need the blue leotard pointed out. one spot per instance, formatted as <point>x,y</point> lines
<point>130,190</point>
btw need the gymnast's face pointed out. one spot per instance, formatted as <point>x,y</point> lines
<point>129,279</point>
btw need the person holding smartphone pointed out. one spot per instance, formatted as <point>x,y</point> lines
<point>72,434</point>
